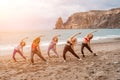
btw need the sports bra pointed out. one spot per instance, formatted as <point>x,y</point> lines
<point>69,43</point>
<point>86,39</point>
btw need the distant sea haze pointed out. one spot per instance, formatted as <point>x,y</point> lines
<point>11,39</point>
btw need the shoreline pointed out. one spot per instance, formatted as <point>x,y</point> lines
<point>44,47</point>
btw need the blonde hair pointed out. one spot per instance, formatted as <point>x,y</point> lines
<point>22,43</point>
<point>90,36</point>
<point>55,39</point>
<point>74,40</point>
<point>37,40</point>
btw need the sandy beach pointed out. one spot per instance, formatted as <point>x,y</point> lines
<point>105,66</point>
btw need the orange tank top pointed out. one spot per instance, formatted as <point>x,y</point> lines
<point>34,46</point>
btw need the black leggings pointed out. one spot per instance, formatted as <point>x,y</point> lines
<point>85,45</point>
<point>69,48</point>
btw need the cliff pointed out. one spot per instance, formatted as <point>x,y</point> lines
<point>93,19</point>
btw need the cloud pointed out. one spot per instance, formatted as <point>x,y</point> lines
<point>39,13</point>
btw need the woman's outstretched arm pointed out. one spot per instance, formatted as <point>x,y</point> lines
<point>78,33</point>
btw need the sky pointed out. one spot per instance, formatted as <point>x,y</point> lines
<point>18,15</point>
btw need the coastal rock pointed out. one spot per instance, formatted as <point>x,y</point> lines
<point>93,19</point>
<point>59,23</point>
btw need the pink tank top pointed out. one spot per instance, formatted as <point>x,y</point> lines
<point>86,39</point>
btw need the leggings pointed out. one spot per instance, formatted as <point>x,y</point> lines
<point>85,45</point>
<point>69,48</point>
<point>38,53</point>
<point>53,49</point>
<point>17,51</point>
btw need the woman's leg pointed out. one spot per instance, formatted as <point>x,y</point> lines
<point>31,57</point>
<point>22,54</point>
<point>49,51</point>
<point>65,51</point>
<point>90,49</point>
<point>54,50</point>
<point>14,52</point>
<point>73,52</point>
<point>82,48</point>
<point>40,55</point>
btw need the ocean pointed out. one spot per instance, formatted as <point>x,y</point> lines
<point>9,40</point>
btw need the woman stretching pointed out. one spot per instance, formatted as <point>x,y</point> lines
<point>86,43</point>
<point>35,49</point>
<point>53,45</point>
<point>70,47</point>
<point>19,49</point>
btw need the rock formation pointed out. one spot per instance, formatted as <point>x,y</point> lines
<point>93,19</point>
<point>59,23</point>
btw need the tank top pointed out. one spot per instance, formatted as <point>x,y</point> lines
<point>19,47</point>
<point>34,46</point>
<point>86,39</point>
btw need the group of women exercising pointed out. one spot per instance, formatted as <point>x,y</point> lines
<point>69,46</point>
